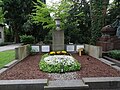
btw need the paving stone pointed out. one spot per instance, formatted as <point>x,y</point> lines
<point>66,84</point>
<point>63,76</point>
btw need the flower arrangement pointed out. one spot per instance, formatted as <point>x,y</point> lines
<point>59,53</point>
<point>55,62</point>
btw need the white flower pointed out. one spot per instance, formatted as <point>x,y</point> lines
<point>57,59</point>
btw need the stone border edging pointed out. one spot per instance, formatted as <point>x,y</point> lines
<point>94,83</point>
<point>29,84</point>
<point>112,64</point>
<point>103,83</point>
<point>66,84</point>
<point>9,65</point>
<point>113,60</point>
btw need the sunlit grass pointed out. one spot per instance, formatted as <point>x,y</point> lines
<point>6,57</point>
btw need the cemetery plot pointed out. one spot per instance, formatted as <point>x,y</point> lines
<point>29,69</point>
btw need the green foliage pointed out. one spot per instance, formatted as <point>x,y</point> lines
<point>16,14</point>
<point>1,13</point>
<point>113,12</point>
<point>114,54</point>
<point>57,68</point>
<point>6,57</point>
<point>42,13</point>
<point>77,29</point>
<point>97,18</point>
<point>27,39</point>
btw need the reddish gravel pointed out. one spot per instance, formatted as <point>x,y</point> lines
<point>91,67</point>
<point>29,69</point>
<point>26,69</point>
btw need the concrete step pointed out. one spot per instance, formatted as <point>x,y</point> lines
<point>66,85</point>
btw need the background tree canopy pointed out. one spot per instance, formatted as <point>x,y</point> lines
<point>81,20</point>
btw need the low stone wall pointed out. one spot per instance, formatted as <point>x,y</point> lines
<point>103,83</point>
<point>33,84</point>
<point>22,52</point>
<point>94,51</point>
<point>94,83</point>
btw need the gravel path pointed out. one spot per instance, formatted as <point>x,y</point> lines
<point>63,76</point>
<point>29,69</point>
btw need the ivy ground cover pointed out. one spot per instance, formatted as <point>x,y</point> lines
<point>58,62</point>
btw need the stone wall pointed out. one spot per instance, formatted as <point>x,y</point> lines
<point>94,51</point>
<point>22,52</point>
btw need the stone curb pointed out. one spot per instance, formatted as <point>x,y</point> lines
<point>29,84</point>
<point>112,60</point>
<point>66,84</point>
<point>112,64</point>
<point>103,83</point>
<point>9,65</point>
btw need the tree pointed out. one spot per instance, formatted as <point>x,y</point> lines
<point>78,24</point>
<point>16,13</point>
<point>98,12</point>
<point>113,11</point>
<point>42,13</point>
<point>42,16</point>
<point>1,13</point>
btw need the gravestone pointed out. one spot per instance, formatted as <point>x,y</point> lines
<point>1,33</point>
<point>58,40</point>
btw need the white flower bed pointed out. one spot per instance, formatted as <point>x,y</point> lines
<point>62,59</point>
<point>58,63</point>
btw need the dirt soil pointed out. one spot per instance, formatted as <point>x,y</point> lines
<point>29,69</point>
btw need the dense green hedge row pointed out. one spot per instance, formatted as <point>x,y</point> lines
<point>114,54</point>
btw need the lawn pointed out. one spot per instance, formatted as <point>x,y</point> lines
<point>6,57</point>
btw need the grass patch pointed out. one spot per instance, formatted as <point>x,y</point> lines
<point>6,57</point>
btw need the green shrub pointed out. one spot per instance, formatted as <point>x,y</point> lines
<point>27,39</point>
<point>114,54</point>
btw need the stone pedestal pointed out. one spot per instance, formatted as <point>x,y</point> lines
<point>58,40</point>
<point>109,40</point>
<point>109,43</point>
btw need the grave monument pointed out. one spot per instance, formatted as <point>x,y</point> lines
<point>110,38</point>
<point>58,37</point>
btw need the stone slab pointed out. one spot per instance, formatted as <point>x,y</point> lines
<point>31,84</point>
<point>35,48</point>
<point>103,83</point>
<point>101,79</point>
<point>116,67</point>
<point>66,84</point>
<point>106,61</point>
<point>112,60</point>
<point>2,70</point>
<point>27,81</point>
<point>11,64</point>
<point>58,40</point>
<point>94,51</point>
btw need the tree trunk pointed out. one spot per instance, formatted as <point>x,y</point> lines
<point>16,35</point>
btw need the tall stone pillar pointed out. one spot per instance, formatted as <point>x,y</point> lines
<point>58,40</point>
